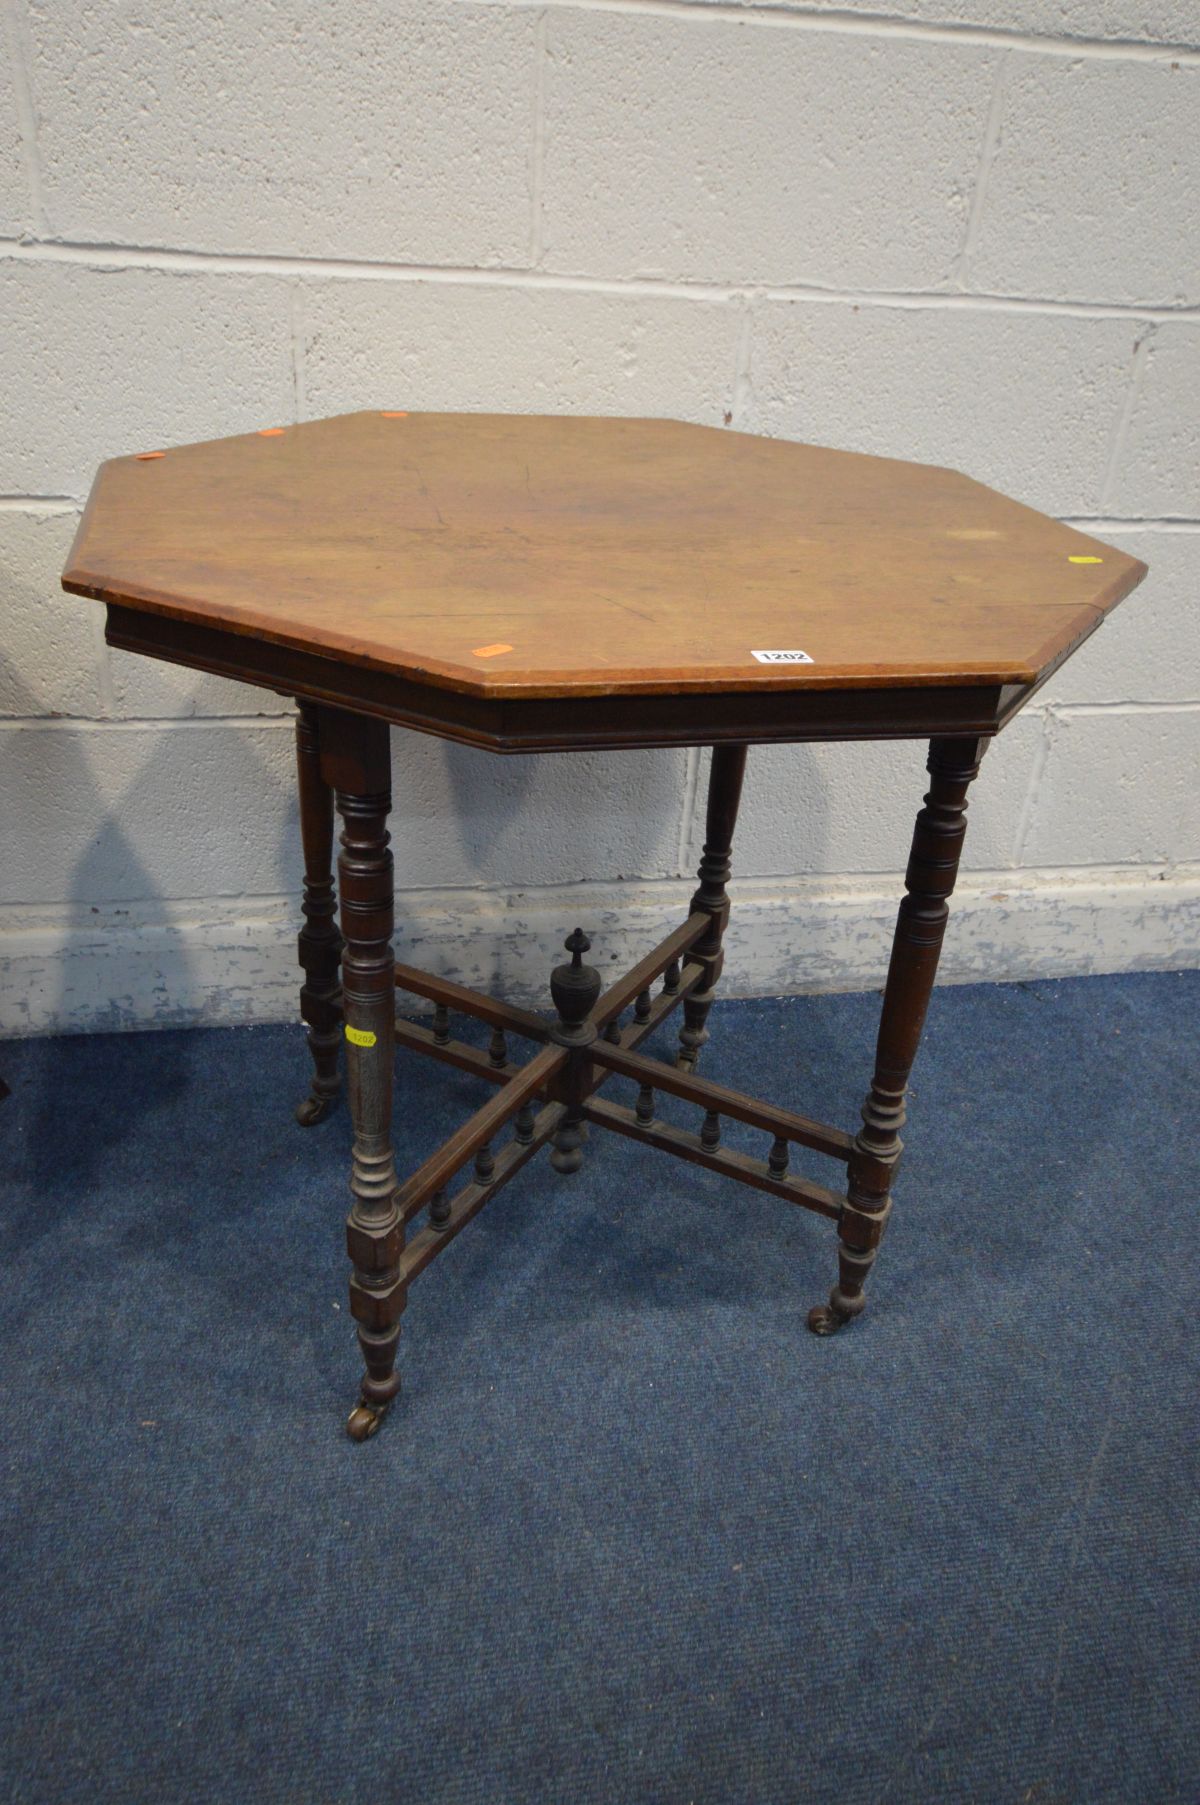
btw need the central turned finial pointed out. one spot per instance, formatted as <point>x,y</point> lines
<point>575,988</point>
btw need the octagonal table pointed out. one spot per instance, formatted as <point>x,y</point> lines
<point>539,584</point>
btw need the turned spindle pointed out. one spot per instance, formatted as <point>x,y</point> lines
<point>355,755</point>
<point>320,944</point>
<point>574,988</point>
<point>920,928</point>
<point>724,794</point>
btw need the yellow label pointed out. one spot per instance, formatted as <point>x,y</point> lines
<point>1078,560</point>
<point>359,1037</point>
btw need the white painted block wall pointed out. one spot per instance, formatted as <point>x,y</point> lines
<point>966,231</point>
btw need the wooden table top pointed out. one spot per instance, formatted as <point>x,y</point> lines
<point>511,557</point>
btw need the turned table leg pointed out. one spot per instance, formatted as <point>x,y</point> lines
<point>355,760</point>
<point>932,869</point>
<point>724,793</point>
<point>320,944</point>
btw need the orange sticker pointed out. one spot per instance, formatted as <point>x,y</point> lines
<point>270,432</point>
<point>143,457</point>
<point>489,651</point>
<point>393,413</point>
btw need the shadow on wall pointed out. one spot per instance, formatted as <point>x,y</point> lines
<point>784,831</point>
<point>489,795</point>
<point>784,820</point>
<point>501,829</point>
<point>561,817</point>
<point>71,793</point>
<point>109,889</point>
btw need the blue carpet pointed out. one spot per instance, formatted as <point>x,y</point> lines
<point>633,1534</point>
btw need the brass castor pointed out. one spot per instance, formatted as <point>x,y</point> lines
<point>363,1422</point>
<point>842,1308</point>
<point>313,1110</point>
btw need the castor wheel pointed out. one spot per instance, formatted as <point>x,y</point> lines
<point>313,1110</point>
<point>843,1307</point>
<point>363,1422</point>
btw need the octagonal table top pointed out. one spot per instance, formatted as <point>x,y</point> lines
<point>516,557</point>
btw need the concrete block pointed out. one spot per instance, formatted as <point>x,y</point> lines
<point>400,132</point>
<point>1151,21</point>
<point>1149,649</point>
<point>1159,472</point>
<point>15,207</point>
<point>112,814</point>
<point>999,797</point>
<point>49,648</point>
<point>95,363</point>
<point>462,817</point>
<point>817,809</point>
<point>100,968</point>
<point>1118,788</point>
<point>1026,402</point>
<point>105,967</point>
<point>685,148</point>
<point>844,810</point>
<point>1094,191</point>
<point>489,348</point>
<point>143,689</point>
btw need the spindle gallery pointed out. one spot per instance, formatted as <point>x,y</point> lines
<point>586,585</point>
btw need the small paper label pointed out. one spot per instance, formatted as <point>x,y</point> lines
<point>1076,559</point>
<point>782,657</point>
<point>490,651</point>
<point>359,1037</point>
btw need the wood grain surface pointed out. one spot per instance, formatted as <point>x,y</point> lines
<point>515,556</point>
